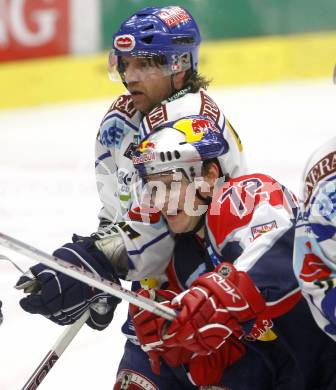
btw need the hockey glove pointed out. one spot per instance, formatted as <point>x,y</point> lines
<point>149,329</point>
<point>213,309</point>
<point>203,369</point>
<point>208,369</point>
<point>63,299</point>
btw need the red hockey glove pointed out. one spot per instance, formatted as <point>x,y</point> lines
<point>149,329</point>
<point>206,370</point>
<point>212,310</point>
<point>235,290</point>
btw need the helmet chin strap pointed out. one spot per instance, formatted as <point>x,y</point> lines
<point>199,225</point>
<point>173,90</point>
<point>206,199</point>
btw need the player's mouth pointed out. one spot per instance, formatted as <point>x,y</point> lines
<point>136,93</point>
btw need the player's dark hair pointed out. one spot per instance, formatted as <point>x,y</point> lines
<point>206,166</point>
<point>195,81</point>
<point>192,79</point>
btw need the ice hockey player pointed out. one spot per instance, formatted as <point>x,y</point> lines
<point>155,53</point>
<point>315,237</point>
<point>241,321</point>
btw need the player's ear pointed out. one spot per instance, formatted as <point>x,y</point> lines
<point>211,174</point>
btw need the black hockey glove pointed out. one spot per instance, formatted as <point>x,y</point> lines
<point>63,299</point>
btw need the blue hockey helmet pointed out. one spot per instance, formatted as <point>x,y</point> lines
<point>169,33</point>
<point>182,145</point>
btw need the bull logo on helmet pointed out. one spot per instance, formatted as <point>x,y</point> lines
<point>124,42</point>
<point>145,146</point>
<point>195,128</point>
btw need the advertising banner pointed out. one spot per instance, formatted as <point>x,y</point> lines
<point>33,28</point>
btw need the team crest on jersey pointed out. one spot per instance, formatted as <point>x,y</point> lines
<point>124,42</point>
<point>258,230</point>
<point>126,378</point>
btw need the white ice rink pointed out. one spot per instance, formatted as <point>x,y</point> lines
<point>47,192</point>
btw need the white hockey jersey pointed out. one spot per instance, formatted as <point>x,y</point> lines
<point>149,245</point>
<point>315,237</point>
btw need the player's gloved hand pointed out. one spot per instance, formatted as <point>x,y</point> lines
<point>208,369</point>
<point>63,299</point>
<point>149,329</point>
<point>213,309</point>
<point>203,369</point>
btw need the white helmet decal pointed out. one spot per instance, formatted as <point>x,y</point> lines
<point>124,42</point>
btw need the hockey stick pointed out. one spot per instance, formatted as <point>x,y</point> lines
<point>54,354</point>
<point>3,257</point>
<point>58,348</point>
<point>87,277</point>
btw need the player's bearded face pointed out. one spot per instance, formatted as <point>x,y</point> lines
<point>176,198</point>
<point>148,83</point>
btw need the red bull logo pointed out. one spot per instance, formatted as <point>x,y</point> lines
<point>145,146</point>
<point>258,230</point>
<point>203,126</point>
<point>195,128</point>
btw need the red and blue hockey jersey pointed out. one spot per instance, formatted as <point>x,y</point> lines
<point>251,223</point>
<point>315,237</point>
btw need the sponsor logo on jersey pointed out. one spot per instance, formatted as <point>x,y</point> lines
<point>322,169</point>
<point>258,230</point>
<point>156,117</point>
<point>209,107</point>
<point>124,42</point>
<point>262,331</point>
<point>125,105</point>
<point>173,16</point>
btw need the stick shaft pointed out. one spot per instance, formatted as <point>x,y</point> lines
<point>54,354</point>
